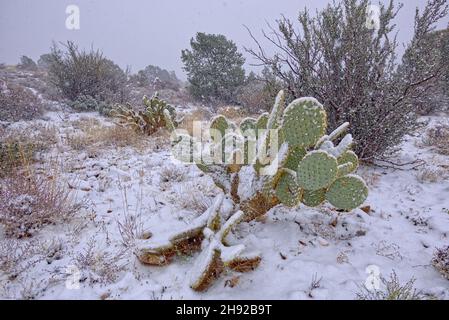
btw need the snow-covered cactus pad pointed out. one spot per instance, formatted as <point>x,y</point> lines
<point>304,122</point>
<point>298,133</point>
<point>308,167</point>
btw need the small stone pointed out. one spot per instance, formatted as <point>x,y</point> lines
<point>323,242</point>
<point>366,209</point>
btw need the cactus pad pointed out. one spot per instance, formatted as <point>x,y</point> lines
<point>221,124</point>
<point>351,157</point>
<point>317,170</point>
<point>304,122</point>
<point>287,190</point>
<point>313,198</point>
<point>347,192</point>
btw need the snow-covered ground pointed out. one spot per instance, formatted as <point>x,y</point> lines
<point>408,220</point>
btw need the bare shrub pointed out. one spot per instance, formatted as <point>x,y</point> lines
<point>254,98</point>
<point>392,290</point>
<point>354,71</point>
<point>18,103</point>
<point>438,138</point>
<point>17,256</point>
<point>440,261</point>
<point>98,265</point>
<point>29,201</point>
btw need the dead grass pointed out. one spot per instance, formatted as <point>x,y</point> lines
<point>19,146</point>
<point>94,135</point>
<point>98,265</point>
<point>194,196</point>
<point>198,114</point>
<point>30,200</point>
<point>431,175</point>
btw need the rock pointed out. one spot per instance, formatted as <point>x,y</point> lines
<point>323,242</point>
<point>366,209</point>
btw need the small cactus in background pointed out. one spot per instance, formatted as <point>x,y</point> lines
<point>157,114</point>
<point>280,158</point>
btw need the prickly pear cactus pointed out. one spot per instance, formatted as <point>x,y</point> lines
<point>284,158</point>
<point>157,114</point>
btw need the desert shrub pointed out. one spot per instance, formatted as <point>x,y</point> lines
<point>440,261</point>
<point>214,67</point>
<point>259,91</point>
<point>29,201</point>
<point>157,78</point>
<point>253,97</point>
<point>44,61</point>
<point>18,103</point>
<point>79,73</point>
<point>88,103</point>
<point>438,138</point>
<point>392,289</point>
<point>27,63</point>
<point>353,69</point>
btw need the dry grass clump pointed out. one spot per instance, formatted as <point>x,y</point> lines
<point>18,103</point>
<point>194,196</point>
<point>233,113</point>
<point>18,146</point>
<point>438,138</point>
<point>98,265</point>
<point>97,136</point>
<point>196,115</point>
<point>392,289</point>
<point>440,261</point>
<point>29,201</point>
<point>430,175</point>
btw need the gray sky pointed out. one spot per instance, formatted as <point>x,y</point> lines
<point>142,32</point>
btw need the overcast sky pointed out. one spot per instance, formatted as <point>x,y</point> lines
<point>142,32</point>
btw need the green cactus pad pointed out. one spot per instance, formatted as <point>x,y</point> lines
<point>274,120</point>
<point>262,121</point>
<point>347,192</point>
<point>248,124</point>
<point>287,190</point>
<point>221,124</point>
<point>313,198</point>
<point>351,157</point>
<point>317,170</point>
<point>304,122</point>
<point>295,155</point>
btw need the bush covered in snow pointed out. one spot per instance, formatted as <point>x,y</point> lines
<point>18,103</point>
<point>353,69</point>
<point>79,73</point>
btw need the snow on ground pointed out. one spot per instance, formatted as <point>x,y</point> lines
<point>407,221</point>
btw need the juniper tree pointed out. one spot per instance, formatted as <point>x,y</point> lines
<point>214,67</point>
